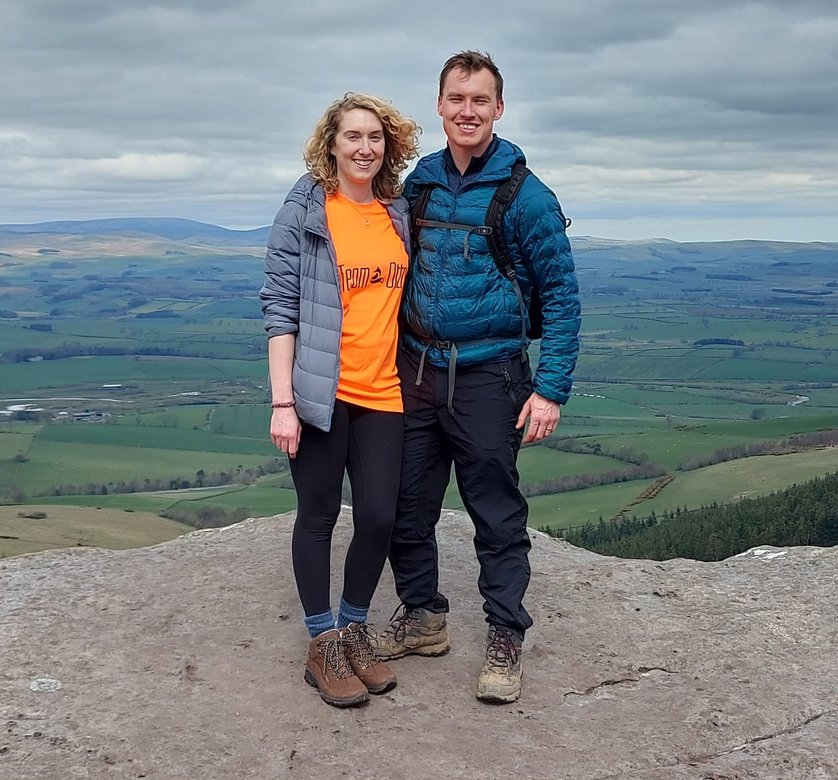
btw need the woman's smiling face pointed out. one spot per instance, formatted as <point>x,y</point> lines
<point>358,149</point>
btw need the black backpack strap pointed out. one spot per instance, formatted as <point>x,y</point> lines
<point>496,238</point>
<point>417,213</point>
<point>504,195</point>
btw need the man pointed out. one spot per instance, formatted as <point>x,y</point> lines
<point>466,381</point>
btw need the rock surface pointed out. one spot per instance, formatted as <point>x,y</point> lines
<point>184,660</point>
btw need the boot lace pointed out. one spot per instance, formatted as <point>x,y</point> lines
<point>397,628</point>
<point>335,657</point>
<point>502,651</point>
<point>357,643</point>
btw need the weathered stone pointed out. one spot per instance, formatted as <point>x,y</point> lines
<point>185,660</point>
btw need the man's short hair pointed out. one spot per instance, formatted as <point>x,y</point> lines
<point>471,62</point>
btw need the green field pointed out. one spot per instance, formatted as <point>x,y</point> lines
<point>91,374</point>
<point>59,463</point>
<point>581,507</point>
<point>260,500</point>
<point>136,381</point>
<point>669,446</point>
<point>162,438</point>
<point>13,443</point>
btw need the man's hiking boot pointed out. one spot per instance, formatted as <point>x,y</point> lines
<point>413,632</point>
<point>328,670</point>
<point>371,670</point>
<point>500,679</point>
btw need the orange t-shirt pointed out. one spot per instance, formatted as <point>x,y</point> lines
<point>372,264</point>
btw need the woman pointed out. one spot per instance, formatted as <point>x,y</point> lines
<point>334,270</point>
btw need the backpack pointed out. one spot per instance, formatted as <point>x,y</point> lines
<point>492,230</point>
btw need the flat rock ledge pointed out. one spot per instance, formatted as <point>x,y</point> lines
<point>185,660</point>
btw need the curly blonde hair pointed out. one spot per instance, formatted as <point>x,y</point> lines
<point>401,144</point>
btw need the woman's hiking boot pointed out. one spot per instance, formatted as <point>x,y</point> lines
<point>329,670</point>
<point>500,678</point>
<point>372,671</point>
<point>413,632</point>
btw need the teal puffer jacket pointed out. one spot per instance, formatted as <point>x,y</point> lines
<point>449,298</point>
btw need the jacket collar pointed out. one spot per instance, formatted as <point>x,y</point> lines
<point>309,193</point>
<point>497,165</point>
<point>475,166</point>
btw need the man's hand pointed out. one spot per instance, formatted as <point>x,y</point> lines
<point>544,417</point>
<point>285,430</point>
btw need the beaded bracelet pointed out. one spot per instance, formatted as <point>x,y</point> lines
<point>283,404</point>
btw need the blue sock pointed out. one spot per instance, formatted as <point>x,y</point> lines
<point>317,624</point>
<point>349,613</point>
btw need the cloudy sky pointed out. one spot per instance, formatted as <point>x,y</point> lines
<point>679,119</point>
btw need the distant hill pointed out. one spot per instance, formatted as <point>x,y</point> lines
<point>167,235</point>
<point>161,227</point>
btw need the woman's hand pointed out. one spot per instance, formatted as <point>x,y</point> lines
<point>285,430</point>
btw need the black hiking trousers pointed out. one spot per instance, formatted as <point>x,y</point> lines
<point>367,445</point>
<point>480,439</point>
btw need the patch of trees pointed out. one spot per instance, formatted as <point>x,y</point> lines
<point>730,277</point>
<point>802,441</point>
<point>805,514</point>
<point>707,342</point>
<point>74,349</point>
<point>44,327</point>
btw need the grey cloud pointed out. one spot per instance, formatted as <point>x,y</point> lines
<point>200,108</point>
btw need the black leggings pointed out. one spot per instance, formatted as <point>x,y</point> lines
<point>367,444</point>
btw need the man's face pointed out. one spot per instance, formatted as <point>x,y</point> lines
<point>469,107</point>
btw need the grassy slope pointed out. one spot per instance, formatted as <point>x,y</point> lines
<point>721,483</point>
<point>81,526</point>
